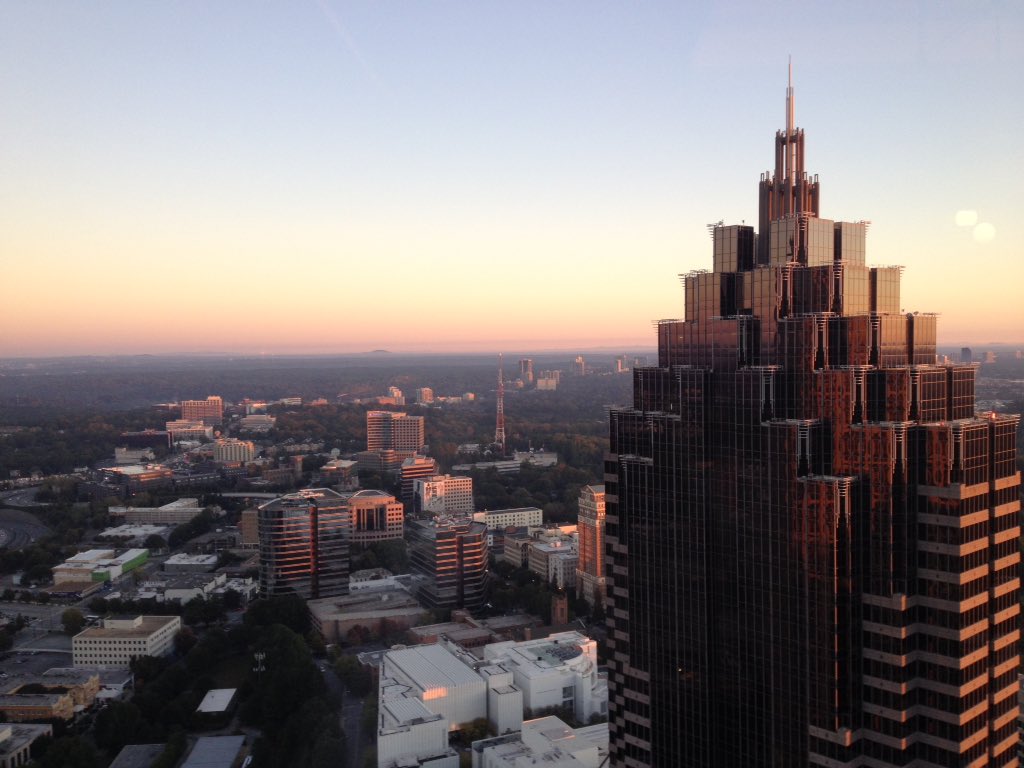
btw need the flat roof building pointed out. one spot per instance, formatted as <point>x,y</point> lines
<point>496,519</point>
<point>16,741</point>
<point>382,609</point>
<point>427,690</point>
<point>556,671</point>
<point>548,742</point>
<point>217,701</point>
<point>120,640</point>
<point>215,752</point>
<point>174,513</point>
<point>138,756</point>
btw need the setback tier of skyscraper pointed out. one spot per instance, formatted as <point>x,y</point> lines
<point>812,539</point>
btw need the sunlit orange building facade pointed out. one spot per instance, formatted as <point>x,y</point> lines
<point>590,581</point>
<point>304,542</point>
<point>812,538</point>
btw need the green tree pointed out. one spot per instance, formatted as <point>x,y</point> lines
<point>289,610</point>
<point>69,752</point>
<point>116,725</point>
<point>329,752</point>
<point>72,620</point>
<point>475,730</point>
<point>184,640</point>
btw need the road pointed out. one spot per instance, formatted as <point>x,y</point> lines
<point>350,716</point>
<point>19,528</point>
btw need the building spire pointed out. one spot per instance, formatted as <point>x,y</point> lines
<point>790,171</point>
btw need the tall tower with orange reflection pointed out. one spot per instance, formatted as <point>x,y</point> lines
<point>812,538</point>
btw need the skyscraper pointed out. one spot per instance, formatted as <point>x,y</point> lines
<point>391,430</point>
<point>812,539</point>
<point>375,515</point>
<point>450,556</point>
<point>590,580</point>
<point>304,544</point>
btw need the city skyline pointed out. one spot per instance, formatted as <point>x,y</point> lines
<point>328,178</point>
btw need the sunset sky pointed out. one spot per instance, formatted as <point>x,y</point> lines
<point>324,176</point>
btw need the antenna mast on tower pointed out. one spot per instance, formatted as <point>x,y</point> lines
<point>499,427</point>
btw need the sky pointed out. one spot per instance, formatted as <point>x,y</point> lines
<point>323,176</point>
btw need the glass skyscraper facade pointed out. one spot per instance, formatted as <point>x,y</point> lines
<point>812,539</point>
<point>304,544</point>
<point>450,556</point>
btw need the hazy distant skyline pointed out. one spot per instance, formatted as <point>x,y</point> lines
<point>338,177</point>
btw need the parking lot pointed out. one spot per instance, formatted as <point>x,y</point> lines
<point>15,663</point>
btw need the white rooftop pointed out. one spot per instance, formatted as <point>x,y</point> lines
<point>187,559</point>
<point>91,556</point>
<point>404,710</point>
<point>216,700</point>
<point>432,666</point>
<point>182,503</point>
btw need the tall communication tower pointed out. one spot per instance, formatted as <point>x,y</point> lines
<point>499,427</point>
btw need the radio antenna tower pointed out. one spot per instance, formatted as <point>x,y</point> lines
<point>499,427</point>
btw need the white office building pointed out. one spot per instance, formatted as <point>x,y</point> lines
<point>428,690</point>
<point>555,671</point>
<point>444,494</point>
<point>230,449</point>
<point>119,640</point>
<point>518,517</point>
<point>548,742</point>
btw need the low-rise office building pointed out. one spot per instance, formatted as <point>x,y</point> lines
<point>16,741</point>
<point>257,422</point>
<point>186,563</point>
<point>120,640</point>
<point>98,565</point>
<point>518,517</point>
<point>189,429</point>
<point>380,610</point>
<point>175,513</point>
<point>26,707</point>
<point>82,685</point>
